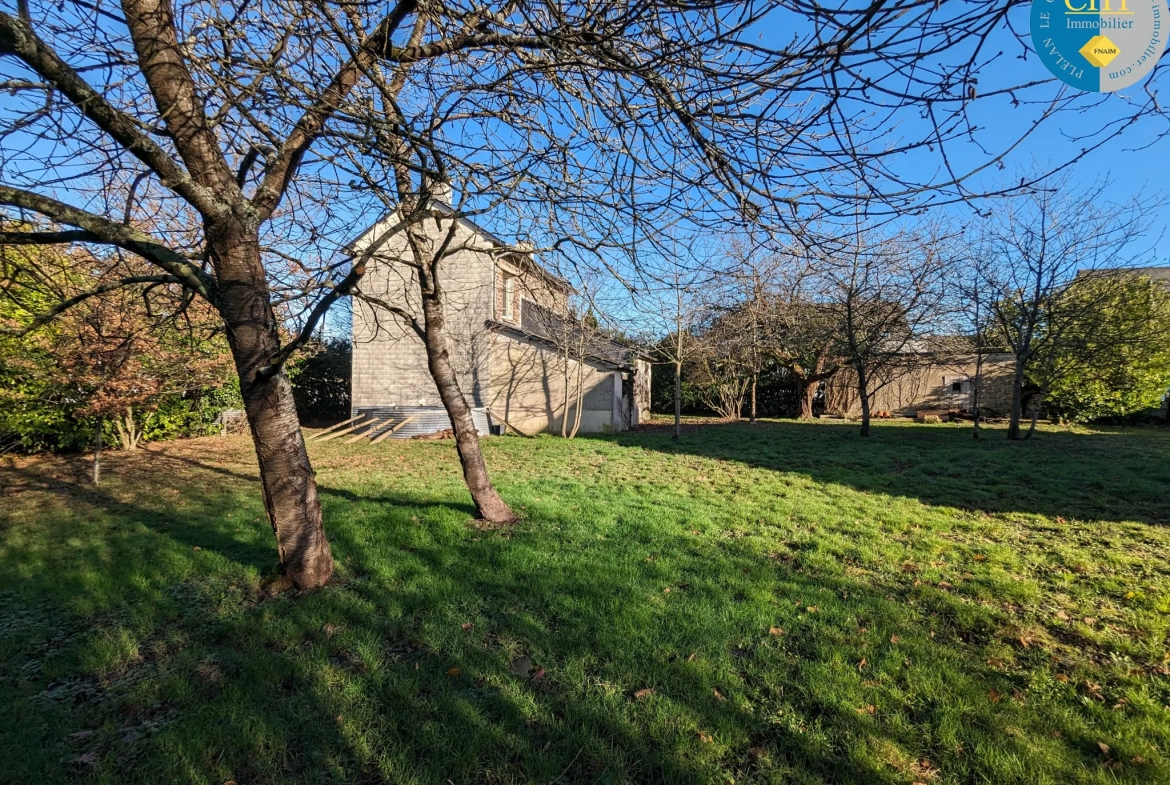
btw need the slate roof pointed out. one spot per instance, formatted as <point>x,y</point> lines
<point>541,324</point>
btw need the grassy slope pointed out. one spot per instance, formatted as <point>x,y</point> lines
<point>951,611</point>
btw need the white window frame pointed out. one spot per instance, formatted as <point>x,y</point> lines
<point>510,297</point>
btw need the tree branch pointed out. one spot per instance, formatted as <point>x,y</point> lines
<point>341,290</point>
<point>101,230</point>
<point>19,40</point>
<point>407,317</point>
<point>283,166</point>
<point>48,238</point>
<point>152,28</point>
<point>63,306</point>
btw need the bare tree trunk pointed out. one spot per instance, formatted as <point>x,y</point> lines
<point>568,397</point>
<point>808,393</point>
<point>1017,410</point>
<point>287,478</point>
<point>128,432</point>
<point>677,401</point>
<point>577,402</point>
<point>1036,413</point>
<point>863,391</point>
<point>97,453</point>
<point>488,504</point>
<point>977,393</point>
<point>755,381</point>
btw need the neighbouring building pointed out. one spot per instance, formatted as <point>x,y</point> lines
<point>925,383</point>
<point>520,356</point>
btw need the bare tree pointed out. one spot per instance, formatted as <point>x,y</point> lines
<point>718,367</point>
<point>749,282</point>
<point>978,333</point>
<point>669,303</point>
<point>801,335</point>
<point>883,295</point>
<point>421,239</point>
<point>1030,253</point>
<point>676,348</point>
<point>577,337</point>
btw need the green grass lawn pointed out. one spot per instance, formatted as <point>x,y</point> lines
<point>780,603</point>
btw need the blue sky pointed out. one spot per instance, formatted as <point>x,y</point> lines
<point>1130,164</point>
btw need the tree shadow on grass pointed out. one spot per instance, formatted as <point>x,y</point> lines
<point>758,668</point>
<point>1118,475</point>
<point>116,543</point>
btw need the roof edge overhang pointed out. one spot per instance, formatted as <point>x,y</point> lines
<point>504,248</point>
<point>517,332</point>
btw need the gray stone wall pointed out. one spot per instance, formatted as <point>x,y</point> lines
<point>389,360</point>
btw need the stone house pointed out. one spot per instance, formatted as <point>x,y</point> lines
<point>509,332</point>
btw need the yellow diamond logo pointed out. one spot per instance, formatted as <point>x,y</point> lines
<point>1100,51</point>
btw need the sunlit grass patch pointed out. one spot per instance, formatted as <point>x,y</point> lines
<point>773,603</point>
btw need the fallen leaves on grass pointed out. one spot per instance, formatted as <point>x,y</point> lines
<point>995,695</point>
<point>467,626</point>
<point>895,639</point>
<point>719,696</point>
<point>452,671</point>
<point>923,769</point>
<point>706,738</point>
<point>645,692</point>
<point>869,709</point>
<point>775,631</point>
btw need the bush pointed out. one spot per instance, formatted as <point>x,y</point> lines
<point>321,382</point>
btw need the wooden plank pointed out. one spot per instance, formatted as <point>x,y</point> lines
<point>390,431</point>
<point>319,434</point>
<point>350,429</point>
<point>370,425</point>
<point>510,425</point>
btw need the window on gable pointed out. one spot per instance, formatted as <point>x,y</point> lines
<point>510,297</point>
<point>956,387</point>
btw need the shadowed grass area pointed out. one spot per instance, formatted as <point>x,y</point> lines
<point>775,603</point>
